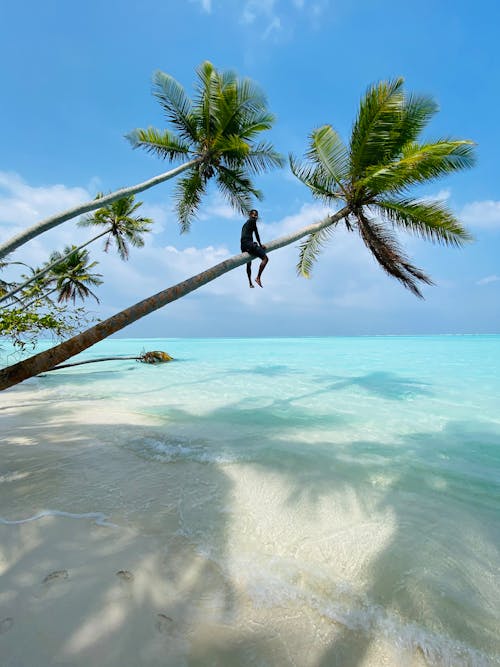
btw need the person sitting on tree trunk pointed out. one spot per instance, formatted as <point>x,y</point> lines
<point>256,249</point>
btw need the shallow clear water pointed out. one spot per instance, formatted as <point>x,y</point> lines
<point>355,478</point>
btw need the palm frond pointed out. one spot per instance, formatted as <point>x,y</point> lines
<point>162,143</point>
<point>430,220</point>
<point>321,184</point>
<point>389,255</point>
<point>415,113</point>
<point>257,158</point>
<point>310,249</point>
<point>420,163</point>
<point>329,151</point>
<point>176,104</point>
<point>237,188</point>
<point>188,193</point>
<point>243,105</point>
<point>379,111</point>
<point>207,98</point>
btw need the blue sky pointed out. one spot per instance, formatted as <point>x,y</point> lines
<point>76,77</point>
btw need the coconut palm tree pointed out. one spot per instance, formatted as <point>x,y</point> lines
<point>216,135</point>
<point>121,228</point>
<point>71,276</point>
<point>374,175</point>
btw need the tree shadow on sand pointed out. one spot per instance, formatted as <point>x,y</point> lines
<point>181,602</point>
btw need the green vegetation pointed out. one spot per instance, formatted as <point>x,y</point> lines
<point>373,176</point>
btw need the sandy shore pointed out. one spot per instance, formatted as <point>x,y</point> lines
<point>78,591</point>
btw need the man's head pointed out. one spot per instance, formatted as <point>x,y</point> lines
<point>253,213</point>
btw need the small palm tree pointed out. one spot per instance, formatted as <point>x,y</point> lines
<point>217,136</point>
<point>121,227</point>
<point>373,177</point>
<point>71,277</point>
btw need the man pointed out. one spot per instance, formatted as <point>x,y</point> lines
<point>256,249</point>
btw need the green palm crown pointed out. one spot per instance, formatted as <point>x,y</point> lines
<point>122,226</point>
<point>219,129</point>
<point>372,177</point>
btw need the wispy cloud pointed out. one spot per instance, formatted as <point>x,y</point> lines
<point>481,214</point>
<point>22,204</point>
<point>488,280</point>
<point>253,9</point>
<point>206,5</point>
<point>217,207</point>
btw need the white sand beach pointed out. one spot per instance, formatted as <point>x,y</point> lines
<point>131,589</point>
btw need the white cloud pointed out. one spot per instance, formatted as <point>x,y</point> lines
<point>22,204</point>
<point>488,280</point>
<point>217,207</point>
<point>206,5</point>
<point>253,9</point>
<point>481,214</point>
<point>274,26</point>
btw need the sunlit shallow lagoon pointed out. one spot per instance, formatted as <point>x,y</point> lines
<point>318,498</point>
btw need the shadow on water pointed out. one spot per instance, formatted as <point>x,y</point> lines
<point>399,579</point>
<point>385,385</point>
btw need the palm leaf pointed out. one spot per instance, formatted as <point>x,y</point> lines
<point>311,247</point>
<point>420,163</point>
<point>329,151</point>
<point>176,104</point>
<point>188,193</point>
<point>206,101</point>
<point>162,143</point>
<point>378,111</point>
<point>321,184</point>
<point>389,255</point>
<point>237,188</point>
<point>415,113</point>
<point>431,220</point>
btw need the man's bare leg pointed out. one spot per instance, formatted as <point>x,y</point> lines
<point>249,273</point>
<point>261,268</point>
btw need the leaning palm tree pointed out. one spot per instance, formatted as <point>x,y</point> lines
<point>71,277</point>
<point>216,135</point>
<point>121,228</point>
<point>384,157</point>
<point>373,177</point>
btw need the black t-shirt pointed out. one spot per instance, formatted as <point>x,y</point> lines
<point>247,232</point>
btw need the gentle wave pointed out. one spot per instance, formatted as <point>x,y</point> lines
<point>99,517</point>
<point>171,449</point>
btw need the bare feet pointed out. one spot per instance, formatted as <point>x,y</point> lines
<point>257,280</point>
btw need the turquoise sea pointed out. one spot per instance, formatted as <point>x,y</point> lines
<point>345,489</point>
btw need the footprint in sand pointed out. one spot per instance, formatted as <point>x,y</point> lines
<point>49,585</point>
<point>6,624</point>
<point>163,623</point>
<point>124,589</point>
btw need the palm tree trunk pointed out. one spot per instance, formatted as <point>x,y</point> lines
<point>94,361</point>
<point>43,361</point>
<point>54,220</point>
<point>49,267</point>
<point>42,296</point>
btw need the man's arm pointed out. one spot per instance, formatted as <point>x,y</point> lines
<point>256,232</point>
